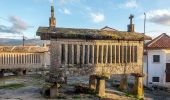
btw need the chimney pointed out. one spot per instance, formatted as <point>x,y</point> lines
<point>131,26</point>
<point>52,20</point>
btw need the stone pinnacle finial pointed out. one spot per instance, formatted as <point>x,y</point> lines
<point>131,26</point>
<point>52,19</point>
<point>131,18</point>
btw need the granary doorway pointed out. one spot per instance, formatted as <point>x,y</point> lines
<point>167,72</point>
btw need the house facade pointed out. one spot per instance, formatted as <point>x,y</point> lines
<point>157,61</point>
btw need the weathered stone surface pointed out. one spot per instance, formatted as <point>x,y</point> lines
<point>138,87</point>
<point>54,92</point>
<point>100,87</point>
<point>92,82</point>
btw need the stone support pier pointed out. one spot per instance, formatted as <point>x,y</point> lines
<point>54,92</point>
<point>1,73</point>
<point>100,87</point>
<point>123,83</point>
<point>138,87</point>
<point>21,72</point>
<point>92,82</point>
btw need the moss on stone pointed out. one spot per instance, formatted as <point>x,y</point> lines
<point>91,34</point>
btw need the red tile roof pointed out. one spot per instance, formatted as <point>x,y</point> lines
<point>160,42</point>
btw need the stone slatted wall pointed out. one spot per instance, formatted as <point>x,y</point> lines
<point>21,60</point>
<point>96,56</point>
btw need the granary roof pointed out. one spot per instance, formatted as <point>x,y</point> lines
<point>26,49</point>
<point>95,34</point>
<point>160,42</point>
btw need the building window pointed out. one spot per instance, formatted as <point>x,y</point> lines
<point>62,53</point>
<point>75,54</point>
<point>155,79</point>
<point>156,58</point>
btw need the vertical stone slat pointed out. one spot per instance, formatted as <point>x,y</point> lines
<point>66,53</point>
<point>72,50</point>
<point>93,54</point>
<point>111,54</point>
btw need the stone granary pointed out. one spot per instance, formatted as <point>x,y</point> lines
<point>21,58</point>
<point>97,53</point>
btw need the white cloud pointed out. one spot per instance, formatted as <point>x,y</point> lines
<point>67,1</point>
<point>18,26</point>
<point>161,16</point>
<point>129,4</point>
<point>65,11</point>
<point>97,17</point>
<point>51,1</point>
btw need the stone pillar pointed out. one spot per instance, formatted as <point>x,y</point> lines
<point>20,72</point>
<point>100,87</point>
<point>88,52</point>
<point>138,87</point>
<point>97,54</point>
<point>93,54</point>
<point>24,72</point>
<point>106,54</point>
<point>111,54</point>
<point>83,51</point>
<point>54,92</point>
<point>66,53</point>
<point>123,83</point>
<point>72,56</point>
<point>92,82</point>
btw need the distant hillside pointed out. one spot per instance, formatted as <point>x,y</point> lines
<point>7,41</point>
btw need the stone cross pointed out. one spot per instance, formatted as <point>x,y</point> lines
<point>131,19</point>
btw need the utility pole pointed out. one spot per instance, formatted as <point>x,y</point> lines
<point>23,41</point>
<point>147,69</point>
<point>144,22</point>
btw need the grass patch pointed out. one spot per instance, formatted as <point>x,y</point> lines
<point>36,76</point>
<point>130,95</point>
<point>61,97</point>
<point>76,97</point>
<point>12,86</point>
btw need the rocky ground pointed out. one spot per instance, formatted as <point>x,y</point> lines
<point>29,88</point>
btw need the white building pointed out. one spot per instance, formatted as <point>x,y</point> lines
<point>157,61</point>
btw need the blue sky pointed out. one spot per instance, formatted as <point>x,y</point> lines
<point>25,16</point>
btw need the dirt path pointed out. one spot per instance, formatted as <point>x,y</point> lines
<point>30,89</point>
